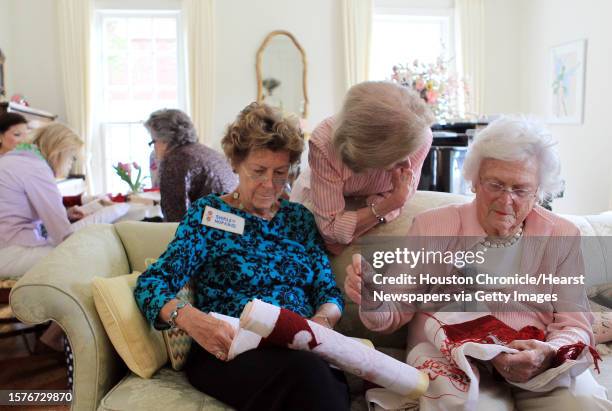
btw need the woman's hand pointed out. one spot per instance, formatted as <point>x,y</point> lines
<point>75,214</point>
<point>214,335</point>
<point>322,320</point>
<point>534,358</point>
<point>354,279</point>
<point>401,178</point>
<point>327,315</point>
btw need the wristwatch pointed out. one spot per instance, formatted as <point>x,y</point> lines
<point>381,219</point>
<point>174,314</point>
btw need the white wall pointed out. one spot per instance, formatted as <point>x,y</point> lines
<point>33,62</point>
<point>241,26</point>
<point>586,149</point>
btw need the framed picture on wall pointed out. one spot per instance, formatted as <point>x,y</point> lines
<point>567,82</point>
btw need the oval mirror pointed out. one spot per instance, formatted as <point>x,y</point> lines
<point>281,73</point>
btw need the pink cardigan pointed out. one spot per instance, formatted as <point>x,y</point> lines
<point>331,181</point>
<point>540,255</point>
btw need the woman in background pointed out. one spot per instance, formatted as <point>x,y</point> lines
<point>365,162</point>
<point>32,217</point>
<point>188,170</point>
<point>13,130</point>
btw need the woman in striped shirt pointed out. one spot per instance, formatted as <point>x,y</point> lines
<point>365,162</point>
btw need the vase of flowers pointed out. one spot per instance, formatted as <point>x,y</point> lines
<point>124,171</point>
<point>436,84</point>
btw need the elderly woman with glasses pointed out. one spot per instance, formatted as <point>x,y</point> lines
<point>250,243</point>
<point>511,165</point>
<point>365,162</point>
<point>184,169</point>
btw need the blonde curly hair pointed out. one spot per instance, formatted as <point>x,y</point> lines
<point>259,126</point>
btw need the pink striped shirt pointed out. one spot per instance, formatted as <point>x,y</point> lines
<point>331,182</point>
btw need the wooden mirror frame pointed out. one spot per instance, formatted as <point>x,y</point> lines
<point>258,67</point>
<point>2,76</point>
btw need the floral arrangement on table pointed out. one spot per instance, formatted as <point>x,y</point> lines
<point>436,84</point>
<point>124,171</point>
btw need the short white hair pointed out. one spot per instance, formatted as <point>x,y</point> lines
<point>517,138</point>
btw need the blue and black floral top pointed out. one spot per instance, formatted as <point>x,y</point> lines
<point>281,261</point>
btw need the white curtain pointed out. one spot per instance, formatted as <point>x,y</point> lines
<point>75,20</point>
<point>357,33</point>
<point>470,48</point>
<point>199,19</point>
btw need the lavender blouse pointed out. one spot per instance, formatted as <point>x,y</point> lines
<point>31,209</point>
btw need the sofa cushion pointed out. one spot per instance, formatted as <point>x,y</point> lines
<point>167,390</point>
<point>140,346</point>
<point>170,390</point>
<point>144,240</point>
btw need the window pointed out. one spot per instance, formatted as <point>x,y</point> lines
<point>401,36</point>
<point>138,68</point>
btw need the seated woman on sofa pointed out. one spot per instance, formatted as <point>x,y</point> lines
<point>187,170</point>
<point>32,217</point>
<point>270,249</point>
<point>511,164</point>
<point>13,130</point>
<point>365,162</point>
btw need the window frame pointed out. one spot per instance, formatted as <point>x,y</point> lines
<point>444,13</point>
<point>99,117</point>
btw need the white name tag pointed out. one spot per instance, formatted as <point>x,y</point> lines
<point>222,220</point>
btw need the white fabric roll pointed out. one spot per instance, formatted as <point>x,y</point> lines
<point>346,353</point>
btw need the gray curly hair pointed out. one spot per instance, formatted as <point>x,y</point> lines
<point>516,138</point>
<point>171,126</point>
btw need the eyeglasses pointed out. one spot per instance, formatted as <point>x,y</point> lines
<point>493,187</point>
<point>151,143</point>
<point>261,177</point>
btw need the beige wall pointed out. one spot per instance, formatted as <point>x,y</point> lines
<point>502,57</point>
<point>33,62</point>
<point>5,38</point>
<point>585,149</point>
<point>241,27</point>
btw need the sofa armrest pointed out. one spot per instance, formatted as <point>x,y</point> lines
<point>59,288</point>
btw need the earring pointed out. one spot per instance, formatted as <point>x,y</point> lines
<point>473,190</point>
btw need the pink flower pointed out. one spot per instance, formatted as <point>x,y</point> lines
<point>136,166</point>
<point>419,84</point>
<point>125,167</point>
<point>432,97</point>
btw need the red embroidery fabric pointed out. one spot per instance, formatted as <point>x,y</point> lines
<point>489,330</point>
<point>285,329</point>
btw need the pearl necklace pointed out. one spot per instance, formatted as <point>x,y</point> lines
<point>502,244</point>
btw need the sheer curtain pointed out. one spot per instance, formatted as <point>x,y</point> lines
<point>357,33</point>
<point>75,19</point>
<point>200,30</point>
<point>469,18</point>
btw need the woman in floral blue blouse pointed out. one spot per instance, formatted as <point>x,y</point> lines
<point>244,245</point>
